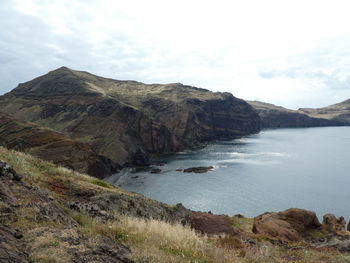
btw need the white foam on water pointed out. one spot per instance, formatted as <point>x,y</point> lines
<point>247,161</point>
<point>252,155</point>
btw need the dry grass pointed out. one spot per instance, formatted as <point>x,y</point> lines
<point>45,174</point>
<point>156,241</point>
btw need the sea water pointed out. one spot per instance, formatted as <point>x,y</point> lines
<point>270,171</point>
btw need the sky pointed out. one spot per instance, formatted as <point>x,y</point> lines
<point>287,52</point>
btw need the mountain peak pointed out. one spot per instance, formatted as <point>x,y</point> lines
<point>57,82</point>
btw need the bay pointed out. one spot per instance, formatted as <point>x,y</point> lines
<point>270,171</point>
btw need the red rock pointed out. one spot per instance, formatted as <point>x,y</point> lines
<point>333,224</point>
<point>287,225</point>
<point>211,224</point>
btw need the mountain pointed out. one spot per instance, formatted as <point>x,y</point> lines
<point>273,116</point>
<point>337,112</point>
<point>128,120</point>
<point>51,146</point>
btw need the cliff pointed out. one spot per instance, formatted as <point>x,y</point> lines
<point>51,146</point>
<point>273,116</point>
<point>336,112</point>
<point>127,120</point>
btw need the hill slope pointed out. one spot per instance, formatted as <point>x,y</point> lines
<point>50,145</point>
<point>337,112</point>
<point>126,120</point>
<point>273,116</point>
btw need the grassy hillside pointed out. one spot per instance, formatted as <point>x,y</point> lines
<point>339,111</point>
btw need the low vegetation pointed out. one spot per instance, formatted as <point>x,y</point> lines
<point>100,183</point>
<point>150,240</point>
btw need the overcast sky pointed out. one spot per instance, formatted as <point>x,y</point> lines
<point>287,52</point>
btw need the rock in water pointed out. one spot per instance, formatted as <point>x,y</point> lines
<point>289,225</point>
<point>200,169</point>
<point>155,171</point>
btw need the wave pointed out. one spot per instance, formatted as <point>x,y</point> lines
<point>247,161</point>
<point>252,155</point>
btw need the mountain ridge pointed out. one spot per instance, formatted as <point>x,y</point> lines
<point>273,116</point>
<point>339,111</point>
<point>134,119</point>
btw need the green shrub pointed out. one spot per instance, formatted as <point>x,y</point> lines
<point>100,183</point>
<point>83,219</point>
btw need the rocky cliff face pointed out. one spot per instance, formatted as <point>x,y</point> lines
<point>337,112</point>
<point>51,146</point>
<point>126,120</point>
<point>273,116</point>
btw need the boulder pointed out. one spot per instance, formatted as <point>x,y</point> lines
<point>332,224</point>
<point>155,171</point>
<point>200,169</point>
<point>290,225</point>
<point>8,171</point>
<point>207,223</point>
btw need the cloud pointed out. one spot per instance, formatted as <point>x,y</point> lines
<point>254,49</point>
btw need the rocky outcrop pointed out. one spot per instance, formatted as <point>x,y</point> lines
<point>207,223</point>
<point>44,224</point>
<point>73,247</point>
<point>127,120</point>
<point>291,224</point>
<point>12,246</point>
<point>51,146</point>
<point>136,206</point>
<point>273,116</point>
<point>332,224</point>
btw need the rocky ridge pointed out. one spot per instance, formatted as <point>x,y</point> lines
<point>273,116</point>
<point>128,120</point>
<point>336,112</point>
